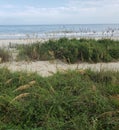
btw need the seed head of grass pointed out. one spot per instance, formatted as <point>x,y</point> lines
<point>8,81</point>
<point>26,86</point>
<point>21,96</point>
<point>32,82</point>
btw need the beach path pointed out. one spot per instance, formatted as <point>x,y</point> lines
<point>47,68</point>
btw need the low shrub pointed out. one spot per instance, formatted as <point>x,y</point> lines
<point>72,51</point>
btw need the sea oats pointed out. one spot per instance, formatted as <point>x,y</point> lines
<point>52,89</point>
<point>32,82</point>
<point>26,86</point>
<point>115,97</point>
<point>81,71</point>
<point>23,87</point>
<point>51,53</point>
<point>20,96</point>
<point>94,88</point>
<point>0,59</point>
<point>109,113</point>
<point>8,81</point>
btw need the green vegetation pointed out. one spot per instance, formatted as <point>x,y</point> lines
<point>104,50</point>
<point>73,100</point>
<point>4,55</point>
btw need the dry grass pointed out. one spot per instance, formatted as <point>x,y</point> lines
<point>109,113</point>
<point>21,96</point>
<point>26,86</point>
<point>4,55</point>
<point>8,81</point>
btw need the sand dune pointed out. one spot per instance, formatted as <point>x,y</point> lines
<point>46,68</point>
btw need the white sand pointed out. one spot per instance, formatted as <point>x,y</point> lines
<point>46,68</point>
<point>6,42</point>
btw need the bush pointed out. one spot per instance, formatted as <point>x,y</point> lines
<point>72,51</point>
<point>114,53</point>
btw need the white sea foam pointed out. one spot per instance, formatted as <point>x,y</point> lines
<point>29,34</point>
<point>44,31</point>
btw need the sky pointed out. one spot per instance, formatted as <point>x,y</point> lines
<point>16,12</point>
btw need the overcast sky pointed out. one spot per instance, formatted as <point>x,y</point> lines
<point>59,11</point>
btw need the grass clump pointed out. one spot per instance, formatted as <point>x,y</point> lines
<point>73,100</point>
<point>73,50</point>
<point>4,55</point>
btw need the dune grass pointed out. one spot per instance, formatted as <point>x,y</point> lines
<point>72,50</point>
<point>4,55</point>
<point>73,100</point>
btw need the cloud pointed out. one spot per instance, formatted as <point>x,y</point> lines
<point>7,6</point>
<point>75,11</point>
<point>93,3</point>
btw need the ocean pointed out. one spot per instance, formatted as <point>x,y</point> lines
<point>57,31</point>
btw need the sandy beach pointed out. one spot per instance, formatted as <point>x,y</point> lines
<point>47,68</point>
<point>12,42</point>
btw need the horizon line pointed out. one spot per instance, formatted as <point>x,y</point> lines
<point>58,24</point>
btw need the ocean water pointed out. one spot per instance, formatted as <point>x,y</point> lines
<point>57,31</point>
